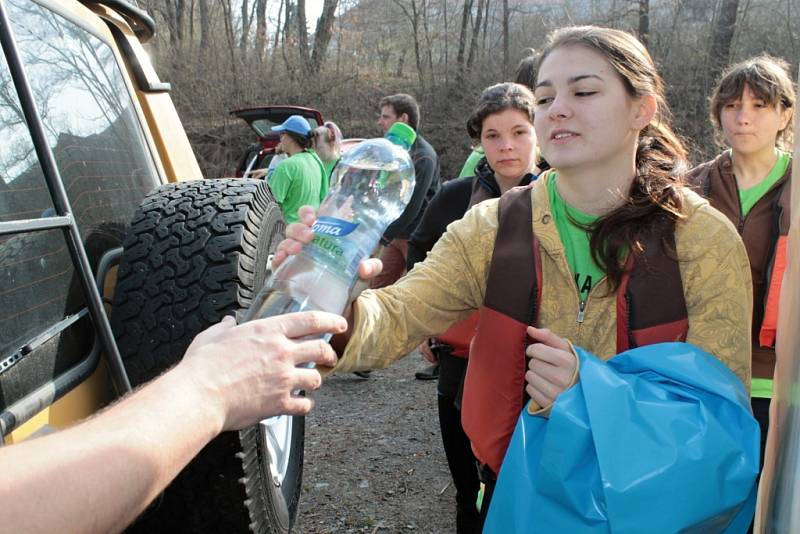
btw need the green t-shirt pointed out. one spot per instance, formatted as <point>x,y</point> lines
<point>469,166</point>
<point>575,240</point>
<point>329,168</point>
<point>748,197</point>
<point>299,180</point>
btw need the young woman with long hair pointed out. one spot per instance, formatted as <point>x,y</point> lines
<point>607,251</point>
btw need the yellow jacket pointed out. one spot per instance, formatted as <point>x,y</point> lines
<point>450,284</point>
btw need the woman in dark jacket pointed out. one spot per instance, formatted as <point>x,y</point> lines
<point>503,124</point>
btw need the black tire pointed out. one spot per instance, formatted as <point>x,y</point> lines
<point>194,253</point>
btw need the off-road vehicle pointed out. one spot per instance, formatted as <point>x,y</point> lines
<point>114,253</point>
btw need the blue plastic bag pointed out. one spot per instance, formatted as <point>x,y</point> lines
<point>658,439</point>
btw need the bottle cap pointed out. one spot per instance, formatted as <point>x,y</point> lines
<point>401,134</point>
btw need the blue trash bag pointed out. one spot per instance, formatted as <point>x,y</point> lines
<point>658,439</point>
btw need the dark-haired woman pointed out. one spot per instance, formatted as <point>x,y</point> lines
<point>300,179</point>
<point>752,108</point>
<point>607,251</point>
<point>502,123</point>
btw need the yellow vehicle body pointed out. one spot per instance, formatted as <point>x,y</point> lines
<point>174,161</point>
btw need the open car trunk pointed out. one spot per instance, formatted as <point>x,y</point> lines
<point>261,119</point>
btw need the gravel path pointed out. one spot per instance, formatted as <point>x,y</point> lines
<point>373,457</point>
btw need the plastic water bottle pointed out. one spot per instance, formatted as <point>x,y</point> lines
<point>370,188</point>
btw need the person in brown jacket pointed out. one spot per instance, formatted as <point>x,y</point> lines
<point>752,108</point>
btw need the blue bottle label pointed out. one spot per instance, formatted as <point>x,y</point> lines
<point>333,227</point>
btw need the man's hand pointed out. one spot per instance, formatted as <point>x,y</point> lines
<point>300,234</point>
<point>551,368</point>
<point>250,370</point>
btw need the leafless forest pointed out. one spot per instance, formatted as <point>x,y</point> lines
<point>223,54</point>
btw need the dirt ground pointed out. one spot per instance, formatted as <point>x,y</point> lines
<point>373,457</point>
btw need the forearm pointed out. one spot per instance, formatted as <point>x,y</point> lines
<point>99,475</point>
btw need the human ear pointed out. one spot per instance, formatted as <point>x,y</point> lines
<point>786,115</point>
<point>646,109</point>
<point>404,118</point>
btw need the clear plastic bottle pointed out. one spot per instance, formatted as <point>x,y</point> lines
<point>371,186</point>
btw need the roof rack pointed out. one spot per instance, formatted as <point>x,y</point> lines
<point>140,20</point>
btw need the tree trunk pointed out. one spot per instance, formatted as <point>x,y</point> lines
<point>506,55</point>
<point>428,42</point>
<point>462,40</point>
<point>417,51</point>
<point>476,31</point>
<point>227,15</point>
<point>205,25</point>
<point>485,28</point>
<point>288,38</point>
<point>247,21</point>
<point>261,29</point>
<point>278,33</point>
<point>191,23</point>
<point>722,37</point>
<point>170,15</point>
<point>322,35</point>
<point>174,15</point>
<point>446,40</point>
<point>302,34</point>
<point>400,64</point>
<point>644,21</point>
<point>413,17</point>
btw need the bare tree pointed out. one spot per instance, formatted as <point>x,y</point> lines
<point>261,29</point>
<point>227,17</point>
<point>466,14</point>
<point>505,38</point>
<point>476,30</point>
<point>323,33</point>
<point>413,17</point>
<point>205,25</point>
<point>428,42</point>
<point>247,14</point>
<point>173,12</point>
<point>644,21</point>
<point>302,35</point>
<point>446,40</point>
<point>722,37</point>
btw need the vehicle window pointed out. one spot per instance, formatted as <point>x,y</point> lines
<point>101,154</point>
<point>263,127</point>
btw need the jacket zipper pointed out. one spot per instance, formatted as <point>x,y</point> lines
<point>582,310</point>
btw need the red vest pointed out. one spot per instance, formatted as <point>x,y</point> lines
<point>650,309</point>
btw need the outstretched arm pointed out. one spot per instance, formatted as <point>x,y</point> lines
<point>99,475</point>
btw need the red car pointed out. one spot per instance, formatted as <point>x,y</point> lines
<point>261,119</point>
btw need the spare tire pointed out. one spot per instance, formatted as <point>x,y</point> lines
<point>195,252</point>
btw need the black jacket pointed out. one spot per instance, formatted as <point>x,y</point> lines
<point>427,182</point>
<point>450,204</point>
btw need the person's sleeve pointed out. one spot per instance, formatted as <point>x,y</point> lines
<point>424,174</point>
<point>445,288</point>
<point>429,230</point>
<point>281,180</point>
<point>718,289</point>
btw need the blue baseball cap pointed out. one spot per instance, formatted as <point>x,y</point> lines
<point>295,124</point>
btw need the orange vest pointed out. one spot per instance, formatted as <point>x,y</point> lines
<point>650,309</point>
